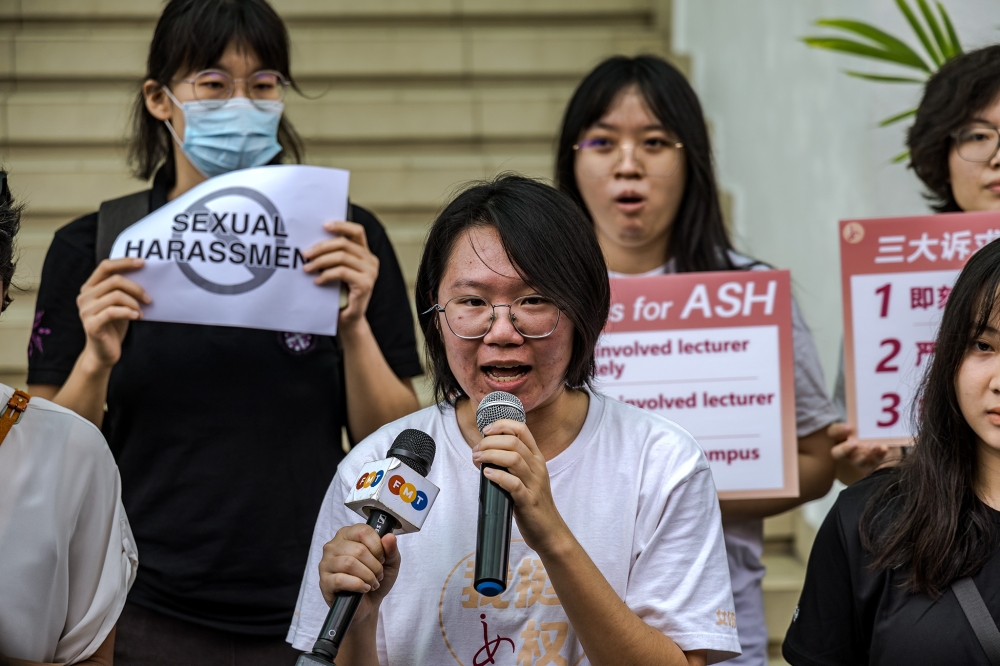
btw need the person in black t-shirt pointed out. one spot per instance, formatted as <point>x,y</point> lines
<point>226,438</point>
<point>879,585</point>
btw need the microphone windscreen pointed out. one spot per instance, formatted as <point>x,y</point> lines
<point>415,448</point>
<point>499,405</point>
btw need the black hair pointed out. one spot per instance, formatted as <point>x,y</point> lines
<point>925,515</point>
<point>698,237</point>
<point>553,248</point>
<point>10,224</point>
<point>963,87</point>
<point>192,35</point>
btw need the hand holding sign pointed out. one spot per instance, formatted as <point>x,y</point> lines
<point>345,258</point>
<point>108,301</point>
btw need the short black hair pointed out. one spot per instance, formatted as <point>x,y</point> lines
<point>552,246</point>
<point>698,237</point>
<point>963,87</point>
<point>10,224</point>
<point>192,35</point>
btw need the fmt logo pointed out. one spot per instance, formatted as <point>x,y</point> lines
<point>369,479</point>
<point>407,492</point>
<point>397,486</point>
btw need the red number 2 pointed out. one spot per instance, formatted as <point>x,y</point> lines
<point>884,291</point>
<point>883,365</point>
<point>891,412</point>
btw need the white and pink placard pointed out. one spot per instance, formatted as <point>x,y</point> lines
<point>713,353</point>
<point>896,276</point>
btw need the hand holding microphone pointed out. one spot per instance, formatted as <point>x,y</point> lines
<point>361,562</point>
<point>515,480</point>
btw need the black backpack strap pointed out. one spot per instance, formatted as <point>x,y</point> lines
<point>979,617</point>
<point>117,215</point>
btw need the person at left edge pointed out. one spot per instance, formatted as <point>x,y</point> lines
<point>226,438</point>
<point>67,555</point>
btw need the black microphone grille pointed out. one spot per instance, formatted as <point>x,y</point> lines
<point>415,448</point>
<point>499,405</point>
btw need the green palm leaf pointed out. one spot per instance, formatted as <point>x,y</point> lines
<point>956,46</point>
<point>941,42</point>
<point>883,78</point>
<point>890,43</point>
<point>866,51</point>
<point>919,30</point>
<point>896,118</point>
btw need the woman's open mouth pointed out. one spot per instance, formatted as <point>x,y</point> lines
<point>629,202</point>
<point>506,373</point>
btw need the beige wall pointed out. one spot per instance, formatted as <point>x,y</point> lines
<point>414,97</point>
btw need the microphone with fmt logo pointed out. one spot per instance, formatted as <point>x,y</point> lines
<point>395,496</point>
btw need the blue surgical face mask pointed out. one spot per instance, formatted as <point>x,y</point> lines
<point>235,135</point>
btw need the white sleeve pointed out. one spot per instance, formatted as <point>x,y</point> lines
<point>679,582</point>
<point>102,555</point>
<point>311,608</point>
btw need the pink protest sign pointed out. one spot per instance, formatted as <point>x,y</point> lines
<point>713,353</point>
<point>896,275</point>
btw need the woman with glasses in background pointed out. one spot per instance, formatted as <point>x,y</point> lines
<point>634,152</point>
<point>226,438</point>
<point>953,144</point>
<point>616,556</point>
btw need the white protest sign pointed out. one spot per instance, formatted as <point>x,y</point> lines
<point>229,251</point>
<point>713,353</point>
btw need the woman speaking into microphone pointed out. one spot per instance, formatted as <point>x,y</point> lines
<point>616,555</point>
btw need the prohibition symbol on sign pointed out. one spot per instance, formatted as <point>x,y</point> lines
<point>260,274</point>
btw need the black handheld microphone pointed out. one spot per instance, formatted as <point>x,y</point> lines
<point>416,450</point>
<point>496,507</point>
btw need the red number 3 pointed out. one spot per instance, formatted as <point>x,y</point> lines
<point>891,411</point>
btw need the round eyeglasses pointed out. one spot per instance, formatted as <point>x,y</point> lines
<point>214,87</point>
<point>977,143</point>
<point>472,317</point>
<point>600,157</point>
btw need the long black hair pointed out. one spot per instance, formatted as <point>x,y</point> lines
<point>698,237</point>
<point>553,248</point>
<point>10,224</point>
<point>192,35</point>
<point>958,91</point>
<point>925,515</point>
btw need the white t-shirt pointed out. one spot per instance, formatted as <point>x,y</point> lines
<point>634,488</point>
<point>67,557</point>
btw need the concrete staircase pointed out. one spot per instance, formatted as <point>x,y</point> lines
<point>414,97</point>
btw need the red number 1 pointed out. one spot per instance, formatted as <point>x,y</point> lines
<point>884,291</point>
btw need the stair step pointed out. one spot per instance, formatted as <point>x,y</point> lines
<point>59,183</point>
<point>291,10</point>
<point>782,586</point>
<point>108,52</point>
<point>340,115</point>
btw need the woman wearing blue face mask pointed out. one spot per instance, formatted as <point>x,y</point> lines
<point>226,438</point>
